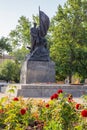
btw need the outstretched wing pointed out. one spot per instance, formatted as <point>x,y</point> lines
<point>44,23</point>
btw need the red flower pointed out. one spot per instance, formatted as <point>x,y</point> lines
<point>60,91</point>
<point>70,100</point>
<point>23,111</point>
<point>47,105</point>
<point>16,99</point>
<point>77,106</point>
<point>54,96</point>
<point>1,111</point>
<point>84,113</point>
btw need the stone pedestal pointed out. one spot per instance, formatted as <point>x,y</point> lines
<point>37,72</point>
<point>44,90</point>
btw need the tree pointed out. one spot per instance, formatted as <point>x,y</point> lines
<point>21,34</point>
<point>10,71</point>
<point>69,37</point>
<point>20,38</point>
<point>4,45</point>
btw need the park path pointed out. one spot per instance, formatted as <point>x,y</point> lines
<point>78,100</point>
<point>2,95</point>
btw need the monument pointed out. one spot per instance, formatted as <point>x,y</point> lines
<point>37,71</point>
<point>37,77</point>
<point>38,67</point>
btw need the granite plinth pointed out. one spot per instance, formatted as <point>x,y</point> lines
<point>46,90</point>
<point>37,72</point>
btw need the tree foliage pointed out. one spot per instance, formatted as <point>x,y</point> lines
<point>20,38</point>
<point>21,34</point>
<point>10,71</point>
<point>4,44</point>
<point>69,37</point>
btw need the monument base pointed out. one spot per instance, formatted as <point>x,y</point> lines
<point>42,90</point>
<point>37,72</point>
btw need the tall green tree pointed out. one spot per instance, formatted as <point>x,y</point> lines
<point>4,44</point>
<point>21,34</point>
<point>20,38</point>
<point>69,37</point>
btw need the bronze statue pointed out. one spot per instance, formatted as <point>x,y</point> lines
<point>39,51</point>
<point>34,37</point>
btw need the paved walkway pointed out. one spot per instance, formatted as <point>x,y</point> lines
<point>2,95</point>
<point>78,100</point>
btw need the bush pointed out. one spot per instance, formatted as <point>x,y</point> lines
<point>60,112</point>
<point>10,71</point>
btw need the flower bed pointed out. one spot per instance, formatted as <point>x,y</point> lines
<point>61,112</point>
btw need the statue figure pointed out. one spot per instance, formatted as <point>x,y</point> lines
<point>34,37</point>
<point>39,51</point>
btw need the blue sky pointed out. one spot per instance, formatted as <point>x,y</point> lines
<point>12,10</point>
